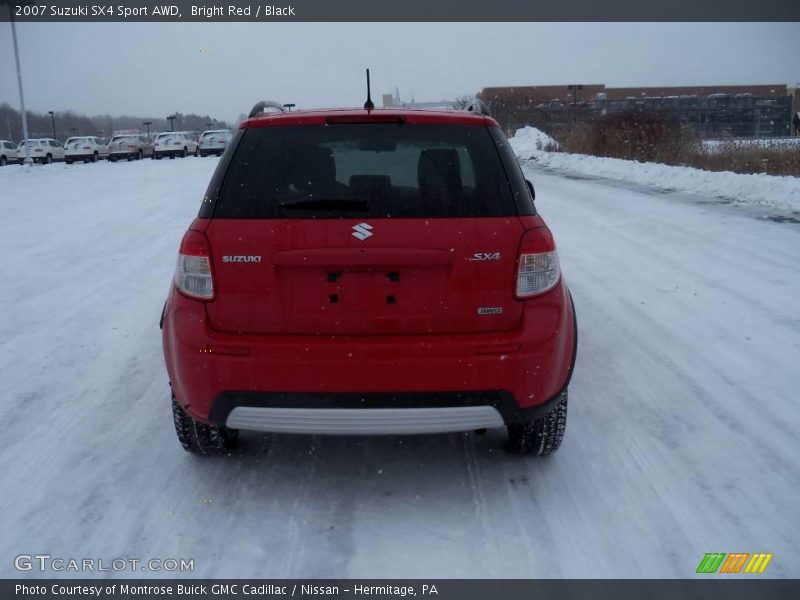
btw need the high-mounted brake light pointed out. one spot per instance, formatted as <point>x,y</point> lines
<point>537,264</point>
<point>367,119</point>
<point>193,271</point>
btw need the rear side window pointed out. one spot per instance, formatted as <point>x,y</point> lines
<point>364,170</point>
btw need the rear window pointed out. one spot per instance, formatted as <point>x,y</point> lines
<point>365,170</point>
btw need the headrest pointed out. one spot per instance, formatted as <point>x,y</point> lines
<point>439,175</point>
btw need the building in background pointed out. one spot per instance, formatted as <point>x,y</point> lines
<point>711,111</point>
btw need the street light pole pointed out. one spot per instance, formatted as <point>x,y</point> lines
<point>574,89</point>
<point>27,159</point>
<point>53,117</point>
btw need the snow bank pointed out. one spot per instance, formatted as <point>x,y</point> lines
<point>757,189</point>
<point>530,140</point>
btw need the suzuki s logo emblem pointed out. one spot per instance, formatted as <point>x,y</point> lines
<point>362,231</point>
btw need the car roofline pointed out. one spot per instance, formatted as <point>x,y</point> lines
<point>412,116</point>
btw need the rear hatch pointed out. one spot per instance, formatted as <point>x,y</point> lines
<point>364,229</point>
<point>214,139</point>
<point>165,142</point>
<point>123,143</point>
<point>75,144</point>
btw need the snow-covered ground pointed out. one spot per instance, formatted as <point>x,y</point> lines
<point>752,190</point>
<point>682,436</point>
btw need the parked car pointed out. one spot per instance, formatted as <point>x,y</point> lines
<point>130,146</point>
<point>368,272</point>
<point>8,152</point>
<point>214,141</point>
<point>85,149</point>
<point>174,143</point>
<point>43,150</point>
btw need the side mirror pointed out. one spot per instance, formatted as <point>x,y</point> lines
<point>530,189</point>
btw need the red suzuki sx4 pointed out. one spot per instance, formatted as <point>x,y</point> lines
<point>366,271</point>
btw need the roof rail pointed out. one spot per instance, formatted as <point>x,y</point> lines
<point>479,106</point>
<point>260,106</point>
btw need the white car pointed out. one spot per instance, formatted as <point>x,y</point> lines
<point>129,146</point>
<point>43,150</point>
<point>8,152</point>
<point>86,148</point>
<point>214,141</point>
<point>174,143</point>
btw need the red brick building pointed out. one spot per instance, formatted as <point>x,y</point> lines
<point>588,92</point>
<point>713,110</point>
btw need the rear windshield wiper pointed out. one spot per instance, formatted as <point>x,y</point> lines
<point>327,204</point>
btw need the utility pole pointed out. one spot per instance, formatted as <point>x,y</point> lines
<point>147,124</point>
<point>171,119</point>
<point>27,160</point>
<point>574,89</point>
<point>289,106</point>
<point>53,117</point>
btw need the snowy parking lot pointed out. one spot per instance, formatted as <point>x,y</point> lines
<point>682,437</point>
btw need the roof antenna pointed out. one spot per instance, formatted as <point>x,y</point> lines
<point>368,104</point>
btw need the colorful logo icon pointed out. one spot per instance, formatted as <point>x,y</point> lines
<point>719,562</point>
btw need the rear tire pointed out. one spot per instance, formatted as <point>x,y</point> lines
<point>541,436</point>
<point>95,157</point>
<point>48,159</point>
<point>199,438</point>
<point>139,155</point>
<point>3,161</point>
<point>185,152</point>
<point>196,152</point>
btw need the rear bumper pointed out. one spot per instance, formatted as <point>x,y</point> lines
<point>374,413</point>
<point>498,377</point>
<point>162,153</point>
<point>364,421</point>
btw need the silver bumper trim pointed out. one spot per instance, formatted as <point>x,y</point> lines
<point>364,421</point>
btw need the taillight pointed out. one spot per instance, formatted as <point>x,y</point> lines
<point>193,271</point>
<point>537,263</point>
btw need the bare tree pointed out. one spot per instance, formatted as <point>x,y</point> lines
<point>463,102</point>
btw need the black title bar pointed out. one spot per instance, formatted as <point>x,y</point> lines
<point>284,11</point>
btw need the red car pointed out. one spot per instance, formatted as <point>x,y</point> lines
<point>368,272</point>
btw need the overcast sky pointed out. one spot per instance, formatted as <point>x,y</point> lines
<point>222,69</point>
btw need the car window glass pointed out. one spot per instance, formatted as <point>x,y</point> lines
<point>369,170</point>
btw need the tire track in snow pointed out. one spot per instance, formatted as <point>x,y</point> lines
<point>493,547</point>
